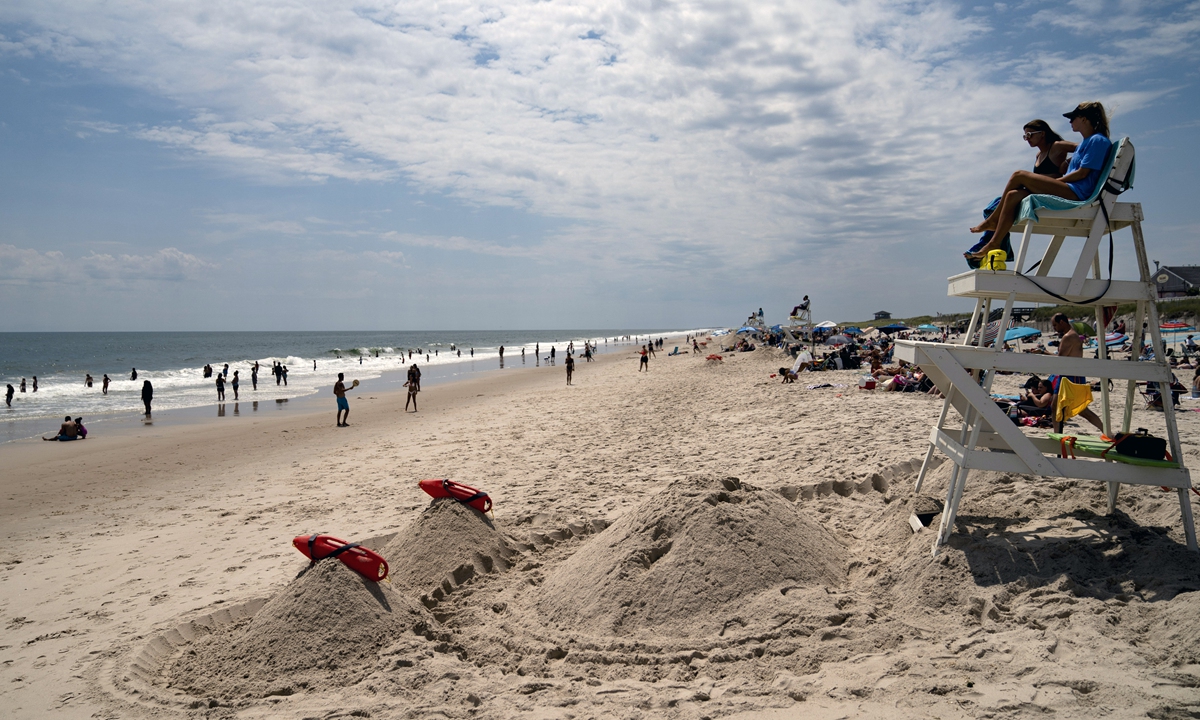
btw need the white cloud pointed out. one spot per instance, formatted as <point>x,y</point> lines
<point>673,134</point>
<point>25,266</point>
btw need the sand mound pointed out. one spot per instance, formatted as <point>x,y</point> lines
<point>328,623</point>
<point>685,559</point>
<point>444,547</point>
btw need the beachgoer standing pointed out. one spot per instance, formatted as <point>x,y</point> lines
<point>275,369</point>
<point>8,395</point>
<point>254,377</point>
<point>570,363</point>
<point>147,395</point>
<point>22,384</point>
<point>314,364</point>
<point>414,387</point>
<point>1069,345</point>
<point>87,381</point>
<point>551,353</point>
<point>104,384</point>
<point>220,387</point>
<point>35,383</point>
<point>501,352</point>
<point>414,375</point>
<point>225,370</point>
<point>234,384</point>
<point>644,363</point>
<point>133,374</point>
<point>339,389</point>
<point>283,373</point>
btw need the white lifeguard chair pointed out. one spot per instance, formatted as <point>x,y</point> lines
<point>986,438</point>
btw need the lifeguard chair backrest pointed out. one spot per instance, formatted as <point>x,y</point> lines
<point>1119,172</point>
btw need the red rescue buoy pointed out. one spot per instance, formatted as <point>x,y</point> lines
<point>465,494</point>
<point>364,561</point>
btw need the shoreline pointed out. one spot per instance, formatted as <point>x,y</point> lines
<point>388,380</point>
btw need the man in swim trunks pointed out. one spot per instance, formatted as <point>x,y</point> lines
<point>1069,345</point>
<point>68,431</point>
<point>339,389</point>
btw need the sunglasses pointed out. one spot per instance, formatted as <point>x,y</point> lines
<point>1035,132</point>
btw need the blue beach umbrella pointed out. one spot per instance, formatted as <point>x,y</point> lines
<point>929,328</point>
<point>1020,333</point>
<point>894,327</point>
<point>852,331</point>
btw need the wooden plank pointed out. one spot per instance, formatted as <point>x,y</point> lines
<point>997,284</point>
<point>986,407</point>
<point>1029,363</point>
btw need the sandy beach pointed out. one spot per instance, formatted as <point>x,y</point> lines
<point>699,541</point>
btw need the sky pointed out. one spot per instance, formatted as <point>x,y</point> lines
<point>443,164</point>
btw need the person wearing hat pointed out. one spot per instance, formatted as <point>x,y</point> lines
<point>1089,120</point>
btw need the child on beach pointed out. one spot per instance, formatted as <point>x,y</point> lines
<point>570,363</point>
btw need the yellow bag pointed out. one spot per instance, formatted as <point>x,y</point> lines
<point>995,260</point>
<point>1073,399</point>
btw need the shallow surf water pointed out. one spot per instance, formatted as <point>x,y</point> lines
<point>172,362</point>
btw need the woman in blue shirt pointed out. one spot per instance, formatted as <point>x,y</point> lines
<point>1089,120</point>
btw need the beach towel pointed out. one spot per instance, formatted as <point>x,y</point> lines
<point>1073,399</point>
<point>1033,203</point>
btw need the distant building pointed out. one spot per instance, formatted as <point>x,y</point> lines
<point>1175,281</point>
<point>883,315</point>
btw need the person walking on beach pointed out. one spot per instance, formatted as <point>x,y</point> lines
<point>339,389</point>
<point>570,363</point>
<point>133,374</point>
<point>8,395</point>
<point>147,395</point>
<point>220,387</point>
<point>104,384</point>
<point>645,361</point>
<point>234,384</point>
<point>414,387</point>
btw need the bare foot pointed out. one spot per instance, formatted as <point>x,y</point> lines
<point>983,227</point>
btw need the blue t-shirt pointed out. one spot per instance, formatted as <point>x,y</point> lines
<point>1092,154</point>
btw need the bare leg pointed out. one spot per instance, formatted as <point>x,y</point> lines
<point>1031,184</point>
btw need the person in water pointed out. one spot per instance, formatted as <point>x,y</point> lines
<point>104,384</point>
<point>133,374</point>
<point>1083,171</point>
<point>147,395</point>
<point>8,395</point>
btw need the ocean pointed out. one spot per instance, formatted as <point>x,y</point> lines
<point>172,362</point>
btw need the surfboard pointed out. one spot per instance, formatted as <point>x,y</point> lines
<point>465,494</point>
<point>364,561</point>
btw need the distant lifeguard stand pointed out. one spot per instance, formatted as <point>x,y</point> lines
<point>801,320</point>
<point>986,439</point>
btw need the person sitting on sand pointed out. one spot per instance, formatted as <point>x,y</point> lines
<point>1089,120</point>
<point>1036,400</point>
<point>82,430</point>
<point>67,431</point>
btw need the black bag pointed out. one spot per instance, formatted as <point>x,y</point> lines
<point>1140,445</point>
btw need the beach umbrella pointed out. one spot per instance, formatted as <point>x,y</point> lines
<point>1083,328</point>
<point>838,340</point>
<point>776,328</point>
<point>929,328</point>
<point>1020,333</point>
<point>747,329</point>
<point>852,331</point>
<point>825,325</point>
<point>894,327</point>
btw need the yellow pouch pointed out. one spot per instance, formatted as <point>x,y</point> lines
<point>1073,399</point>
<point>995,260</point>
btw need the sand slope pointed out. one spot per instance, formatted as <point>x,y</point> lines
<point>123,558</point>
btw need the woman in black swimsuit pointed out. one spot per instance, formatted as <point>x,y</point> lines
<point>1052,149</point>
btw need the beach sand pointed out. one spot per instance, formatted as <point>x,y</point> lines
<point>696,541</point>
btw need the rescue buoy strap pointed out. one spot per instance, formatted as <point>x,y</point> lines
<point>312,551</point>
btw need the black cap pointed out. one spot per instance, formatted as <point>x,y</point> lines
<point>1081,110</point>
